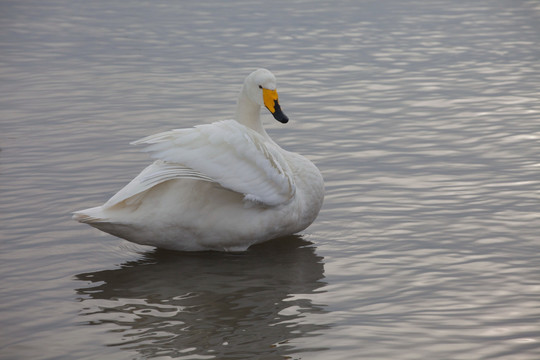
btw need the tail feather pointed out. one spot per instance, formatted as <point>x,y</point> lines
<point>89,216</point>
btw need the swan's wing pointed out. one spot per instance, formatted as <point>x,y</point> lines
<point>230,154</point>
<point>154,174</point>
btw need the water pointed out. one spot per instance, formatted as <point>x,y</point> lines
<point>422,116</point>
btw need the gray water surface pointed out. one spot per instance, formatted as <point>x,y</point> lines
<point>424,118</point>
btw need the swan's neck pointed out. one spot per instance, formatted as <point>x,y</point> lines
<point>248,113</point>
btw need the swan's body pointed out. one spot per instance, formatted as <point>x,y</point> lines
<point>221,186</point>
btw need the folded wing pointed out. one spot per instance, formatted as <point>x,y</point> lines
<point>225,152</point>
<point>156,173</point>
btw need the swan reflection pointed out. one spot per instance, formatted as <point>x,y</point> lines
<point>209,304</point>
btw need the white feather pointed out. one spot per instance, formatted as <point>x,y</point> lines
<point>157,173</point>
<point>218,151</point>
<point>221,186</point>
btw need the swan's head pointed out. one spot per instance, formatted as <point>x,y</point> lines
<point>261,89</point>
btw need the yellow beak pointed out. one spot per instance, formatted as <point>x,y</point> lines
<point>270,97</point>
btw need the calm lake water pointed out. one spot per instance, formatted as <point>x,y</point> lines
<point>423,116</point>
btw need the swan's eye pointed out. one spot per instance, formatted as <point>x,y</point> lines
<point>260,86</point>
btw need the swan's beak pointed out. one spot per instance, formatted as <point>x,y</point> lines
<point>270,98</point>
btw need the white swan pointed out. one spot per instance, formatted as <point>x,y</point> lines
<point>222,186</point>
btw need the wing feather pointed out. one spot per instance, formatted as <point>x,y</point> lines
<point>156,173</point>
<point>230,154</point>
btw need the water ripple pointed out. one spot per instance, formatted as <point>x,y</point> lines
<point>422,116</point>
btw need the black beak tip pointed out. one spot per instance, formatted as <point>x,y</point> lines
<point>282,118</point>
<point>279,115</point>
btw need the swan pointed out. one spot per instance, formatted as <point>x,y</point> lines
<point>222,186</point>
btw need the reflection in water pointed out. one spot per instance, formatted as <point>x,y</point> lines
<point>209,304</point>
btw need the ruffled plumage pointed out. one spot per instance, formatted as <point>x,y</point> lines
<point>221,186</point>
